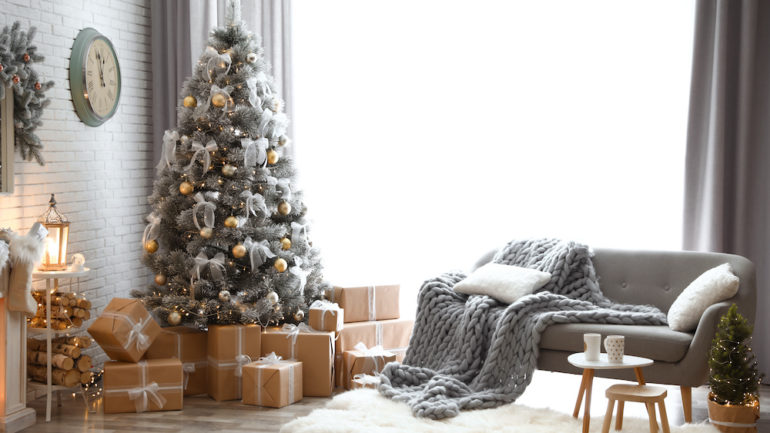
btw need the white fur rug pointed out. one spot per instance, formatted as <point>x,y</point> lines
<point>365,410</point>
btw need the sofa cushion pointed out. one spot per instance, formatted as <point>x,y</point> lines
<point>712,286</point>
<point>658,343</point>
<point>503,282</point>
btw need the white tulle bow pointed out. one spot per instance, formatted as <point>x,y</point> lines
<point>254,202</point>
<point>259,252</point>
<point>208,211</point>
<point>254,151</point>
<point>170,137</point>
<point>204,152</point>
<point>300,274</point>
<point>216,265</point>
<point>297,232</point>
<point>217,63</point>
<point>152,231</point>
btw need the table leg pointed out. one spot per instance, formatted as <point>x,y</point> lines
<point>608,416</point>
<point>639,375</point>
<point>576,412</point>
<point>587,409</point>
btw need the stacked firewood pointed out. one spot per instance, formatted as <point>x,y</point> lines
<point>69,366</point>
<point>67,311</point>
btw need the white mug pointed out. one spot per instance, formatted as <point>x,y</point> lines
<point>592,344</point>
<point>615,347</point>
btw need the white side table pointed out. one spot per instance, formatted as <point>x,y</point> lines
<point>579,360</point>
<point>52,285</point>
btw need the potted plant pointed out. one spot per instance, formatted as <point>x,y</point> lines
<point>733,376</point>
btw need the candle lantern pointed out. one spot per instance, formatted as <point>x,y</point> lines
<point>55,258</point>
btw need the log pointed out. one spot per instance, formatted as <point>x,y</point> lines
<point>74,341</point>
<point>85,377</point>
<point>76,322</point>
<point>84,363</point>
<point>66,349</point>
<point>68,378</point>
<point>84,304</point>
<point>78,312</point>
<point>58,360</point>
<point>35,344</point>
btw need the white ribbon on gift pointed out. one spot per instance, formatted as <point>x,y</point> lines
<point>297,230</point>
<point>203,151</point>
<point>378,333</point>
<point>254,152</point>
<point>300,274</point>
<point>254,202</point>
<point>170,137</point>
<point>135,335</point>
<point>216,61</point>
<point>254,100</point>
<point>152,231</point>
<point>367,379</point>
<point>372,294</point>
<point>142,394</point>
<point>292,331</point>
<point>267,361</point>
<point>208,211</point>
<point>325,306</point>
<point>188,368</point>
<point>238,361</point>
<point>259,252</point>
<point>216,265</point>
<point>377,353</point>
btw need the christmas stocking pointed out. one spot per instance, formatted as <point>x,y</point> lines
<point>25,253</point>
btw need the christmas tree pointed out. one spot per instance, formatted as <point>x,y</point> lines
<point>734,378</point>
<point>227,238</point>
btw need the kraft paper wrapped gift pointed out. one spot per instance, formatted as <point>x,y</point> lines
<point>150,385</point>
<point>363,361</point>
<point>392,335</point>
<point>272,382</point>
<point>367,303</point>
<point>325,316</point>
<point>125,330</point>
<point>230,347</point>
<point>189,346</point>
<point>365,381</point>
<point>315,349</point>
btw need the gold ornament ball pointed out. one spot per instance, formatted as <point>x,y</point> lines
<point>151,246</point>
<point>190,102</point>
<point>239,251</point>
<point>206,232</point>
<point>285,243</point>
<point>272,156</point>
<point>272,297</point>
<point>280,265</point>
<point>160,280</point>
<point>224,296</point>
<point>299,315</point>
<point>186,188</point>
<point>228,170</point>
<point>174,318</point>
<point>231,222</point>
<point>218,100</point>
<point>284,208</point>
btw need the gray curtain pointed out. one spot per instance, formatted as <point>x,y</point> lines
<point>727,183</point>
<point>179,33</point>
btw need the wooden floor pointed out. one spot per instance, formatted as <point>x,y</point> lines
<point>203,415</point>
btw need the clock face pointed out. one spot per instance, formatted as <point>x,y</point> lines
<point>101,71</point>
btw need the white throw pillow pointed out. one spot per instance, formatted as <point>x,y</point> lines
<point>712,286</point>
<point>503,282</point>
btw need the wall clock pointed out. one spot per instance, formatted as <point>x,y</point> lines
<point>94,77</point>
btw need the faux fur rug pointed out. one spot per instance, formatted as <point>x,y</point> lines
<point>365,410</point>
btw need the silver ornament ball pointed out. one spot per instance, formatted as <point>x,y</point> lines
<point>272,297</point>
<point>251,57</point>
<point>299,315</point>
<point>224,296</point>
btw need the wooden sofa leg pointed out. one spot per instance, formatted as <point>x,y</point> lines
<point>687,403</point>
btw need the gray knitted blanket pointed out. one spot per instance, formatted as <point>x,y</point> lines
<point>472,352</point>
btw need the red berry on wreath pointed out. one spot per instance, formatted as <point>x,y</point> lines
<point>38,86</point>
<point>16,79</point>
<point>26,57</point>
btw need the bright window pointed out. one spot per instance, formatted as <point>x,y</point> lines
<point>430,131</point>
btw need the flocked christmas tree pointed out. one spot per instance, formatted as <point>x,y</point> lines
<point>227,239</point>
<point>733,378</point>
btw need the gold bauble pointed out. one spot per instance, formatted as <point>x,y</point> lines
<point>218,100</point>
<point>228,170</point>
<point>186,188</point>
<point>285,243</point>
<point>231,222</point>
<point>206,232</point>
<point>272,156</point>
<point>151,246</point>
<point>224,296</point>
<point>190,102</point>
<point>239,251</point>
<point>174,318</point>
<point>272,297</point>
<point>280,265</point>
<point>284,208</point>
<point>299,315</point>
<point>160,280</point>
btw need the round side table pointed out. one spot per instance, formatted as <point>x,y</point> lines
<point>579,361</point>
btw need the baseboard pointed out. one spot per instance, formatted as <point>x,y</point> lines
<point>18,421</point>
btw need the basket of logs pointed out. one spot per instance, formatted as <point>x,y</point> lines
<point>69,366</point>
<point>67,311</point>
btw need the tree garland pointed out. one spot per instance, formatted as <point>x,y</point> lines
<point>16,57</point>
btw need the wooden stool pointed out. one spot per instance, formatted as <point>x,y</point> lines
<point>648,395</point>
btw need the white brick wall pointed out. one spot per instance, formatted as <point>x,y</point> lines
<point>101,176</point>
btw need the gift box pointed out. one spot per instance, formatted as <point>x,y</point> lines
<point>325,316</point>
<point>230,347</point>
<point>367,303</point>
<point>365,381</point>
<point>189,346</point>
<point>124,330</point>
<point>150,385</point>
<point>315,349</point>
<point>272,382</point>
<point>363,361</point>
<point>392,335</point>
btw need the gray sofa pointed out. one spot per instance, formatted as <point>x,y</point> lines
<point>656,278</point>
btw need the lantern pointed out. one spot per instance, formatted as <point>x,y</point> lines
<point>55,258</point>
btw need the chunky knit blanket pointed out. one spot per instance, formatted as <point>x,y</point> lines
<point>471,352</point>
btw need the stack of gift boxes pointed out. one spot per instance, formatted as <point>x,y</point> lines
<point>152,369</point>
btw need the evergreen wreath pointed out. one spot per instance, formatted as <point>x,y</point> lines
<point>17,54</point>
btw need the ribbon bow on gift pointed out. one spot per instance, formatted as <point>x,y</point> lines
<point>292,331</point>
<point>367,379</point>
<point>136,335</point>
<point>140,396</point>
<point>377,353</point>
<point>152,231</point>
<point>254,152</point>
<point>299,273</point>
<point>170,137</point>
<point>208,211</point>
<point>188,368</point>
<point>200,150</point>
<point>240,361</point>
<point>216,265</point>
<point>324,306</point>
<point>217,62</point>
<point>254,202</point>
<point>270,359</point>
<point>259,252</point>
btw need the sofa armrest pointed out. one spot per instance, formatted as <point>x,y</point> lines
<point>695,362</point>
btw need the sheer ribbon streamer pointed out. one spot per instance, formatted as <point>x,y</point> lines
<point>254,202</point>
<point>259,252</point>
<point>204,152</point>
<point>216,265</point>
<point>152,231</point>
<point>299,273</point>
<point>208,211</point>
<point>170,137</point>
<point>217,63</point>
<point>254,152</point>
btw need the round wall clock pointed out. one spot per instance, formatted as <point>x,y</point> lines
<point>94,77</point>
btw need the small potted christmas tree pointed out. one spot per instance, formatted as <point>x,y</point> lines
<point>734,378</point>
